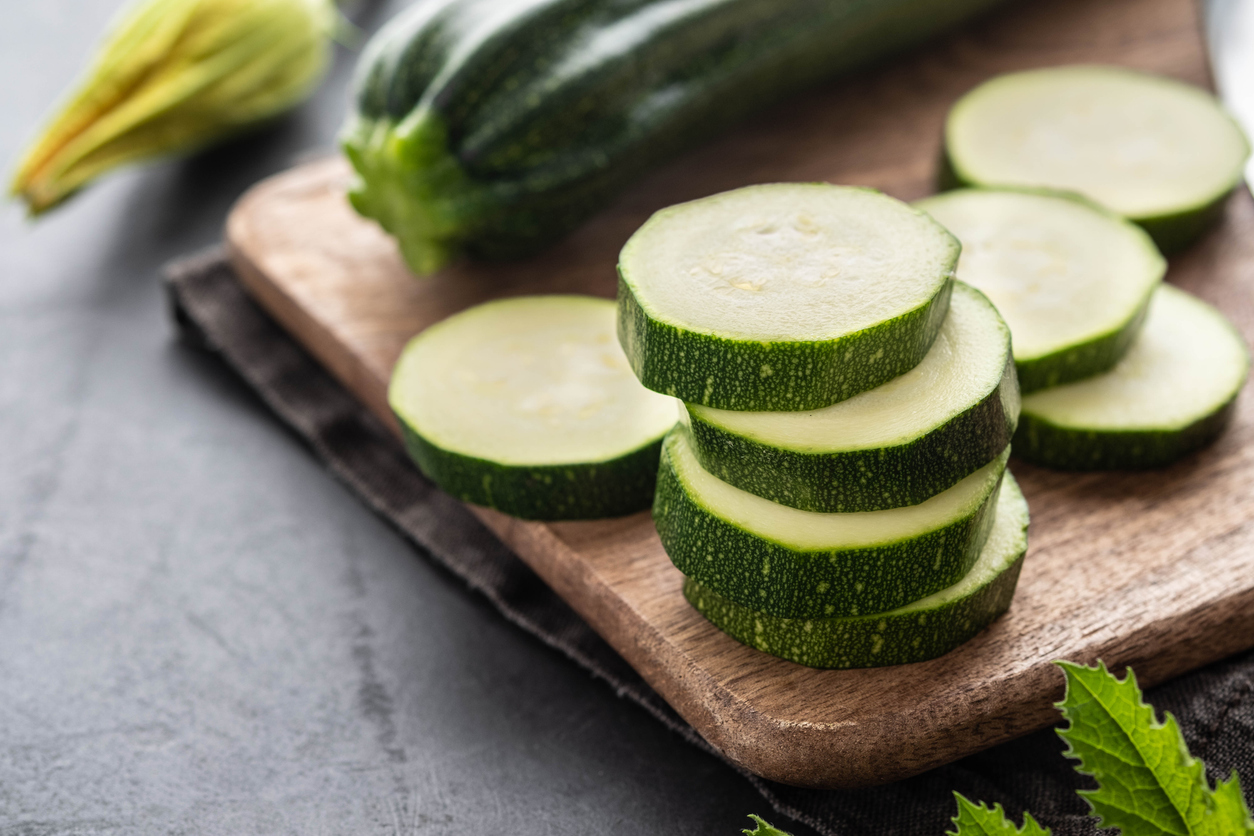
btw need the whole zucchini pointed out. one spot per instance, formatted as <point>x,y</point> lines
<point>494,127</point>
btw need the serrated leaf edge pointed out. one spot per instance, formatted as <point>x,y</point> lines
<point>1211,797</point>
<point>1030,826</point>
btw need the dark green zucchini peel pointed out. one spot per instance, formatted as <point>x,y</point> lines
<point>494,127</point>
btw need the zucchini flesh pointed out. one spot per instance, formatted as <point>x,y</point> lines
<point>1161,153</point>
<point>795,563</point>
<point>1172,393</point>
<point>496,127</point>
<point>527,405</point>
<point>784,296</point>
<point>1072,280</point>
<point>916,632</point>
<point>898,444</point>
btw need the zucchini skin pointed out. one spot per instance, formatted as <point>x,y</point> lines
<point>1073,444</point>
<point>585,491</point>
<point>1045,443</point>
<point>494,128</point>
<point>1177,232</point>
<point>909,634</point>
<point>873,479</point>
<point>896,473</point>
<point>866,642</point>
<point>783,376</point>
<point>1077,362</point>
<point>774,578</point>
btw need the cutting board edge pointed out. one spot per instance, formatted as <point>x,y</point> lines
<point>312,334</point>
<point>822,754</point>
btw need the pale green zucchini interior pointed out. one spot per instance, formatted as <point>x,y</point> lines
<point>787,261</point>
<point>813,531</point>
<point>1186,363</point>
<point>1139,144</point>
<point>535,380</point>
<point>965,364</point>
<point>1060,271</point>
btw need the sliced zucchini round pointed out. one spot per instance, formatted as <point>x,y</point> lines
<point>1072,279</point>
<point>1155,150</point>
<point>527,405</point>
<point>794,563</point>
<point>784,296</point>
<point>1172,393</point>
<point>922,630</point>
<point>898,444</point>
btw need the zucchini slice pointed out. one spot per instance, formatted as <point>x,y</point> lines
<point>1159,152</point>
<point>527,405</point>
<point>784,296</point>
<point>1072,279</point>
<point>794,563</point>
<point>922,630</point>
<point>898,444</point>
<point>1172,393</point>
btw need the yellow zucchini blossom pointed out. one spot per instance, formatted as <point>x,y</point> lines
<point>174,75</point>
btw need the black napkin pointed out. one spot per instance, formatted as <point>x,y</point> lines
<point>1214,705</point>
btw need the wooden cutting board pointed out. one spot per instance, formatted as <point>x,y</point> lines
<point>1151,570</point>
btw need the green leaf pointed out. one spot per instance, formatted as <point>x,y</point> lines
<point>979,820</point>
<point>1230,810</point>
<point>763,829</point>
<point>1149,784</point>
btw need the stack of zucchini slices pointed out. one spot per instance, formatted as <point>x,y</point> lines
<point>836,493</point>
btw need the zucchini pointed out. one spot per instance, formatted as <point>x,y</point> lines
<point>496,128</point>
<point>922,630</point>
<point>1172,393</point>
<point>794,563</point>
<point>898,444</point>
<point>1072,279</point>
<point>527,405</point>
<point>785,296</point>
<point>1159,152</point>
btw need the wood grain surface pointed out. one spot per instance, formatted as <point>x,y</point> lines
<point>1152,570</point>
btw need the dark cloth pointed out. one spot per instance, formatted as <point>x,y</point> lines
<point>1214,706</point>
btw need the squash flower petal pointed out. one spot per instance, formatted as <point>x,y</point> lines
<point>173,76</point>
